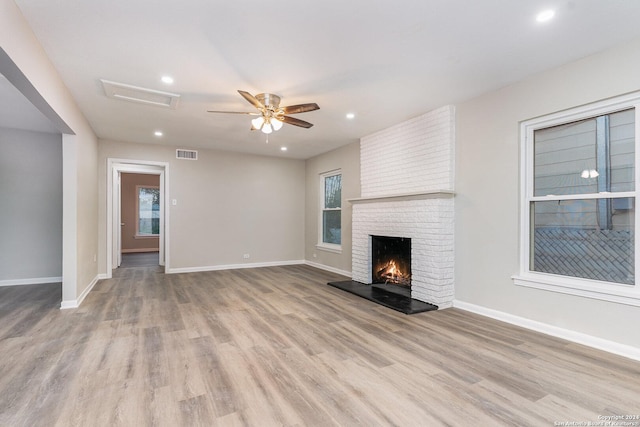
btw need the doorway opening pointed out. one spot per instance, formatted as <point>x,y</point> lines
<point>140,218</point>
<point>146,231</point>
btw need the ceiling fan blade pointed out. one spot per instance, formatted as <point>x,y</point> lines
<point>300,108</point>
<point>296,122</point>
<point>234,112</point>
<point>252,99</point>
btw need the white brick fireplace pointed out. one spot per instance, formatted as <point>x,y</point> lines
<point>407,191</point>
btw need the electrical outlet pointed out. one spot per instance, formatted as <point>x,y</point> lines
<point>95,258</point>
<point>246,256</point>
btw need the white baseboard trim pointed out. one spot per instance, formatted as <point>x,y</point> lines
<point>328,268</point>
<point>231,266</point>
<point>139,250</point>
<point>256,265</point>
<point>33,281</point>
<point>76,302</point>
<point>545,328</point>
<point>65,305</point>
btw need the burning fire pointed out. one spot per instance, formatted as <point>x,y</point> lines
<point>391,273</point>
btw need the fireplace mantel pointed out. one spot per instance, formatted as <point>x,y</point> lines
<point>435,194</point>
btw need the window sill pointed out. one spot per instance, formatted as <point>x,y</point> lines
<point>336,249</point>
<point>612,292</point>
<point>146,236</point>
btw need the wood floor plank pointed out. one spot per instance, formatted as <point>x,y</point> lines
<point>283,383</point>
<point>276,346</point>
<point>257,401</point>
<point>325,387</point>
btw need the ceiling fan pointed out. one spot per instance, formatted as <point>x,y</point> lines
<point>271,116</point>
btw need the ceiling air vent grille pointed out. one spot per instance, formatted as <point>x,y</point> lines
<point>186,154</point>
<point>140,95</point>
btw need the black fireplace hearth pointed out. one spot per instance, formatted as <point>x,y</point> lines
<point>390,277</point>
<point>391,296</point>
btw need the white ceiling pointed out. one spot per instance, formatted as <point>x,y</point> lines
<point>385,61</point>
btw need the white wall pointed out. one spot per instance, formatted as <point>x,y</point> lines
<point>30,207</point>
<point>43,86</point>
<point>347,159</point>
<point>487,194</point>
<point>228,205</point>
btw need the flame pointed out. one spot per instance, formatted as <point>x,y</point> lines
<point>391,273</point>
<point>392,268</point>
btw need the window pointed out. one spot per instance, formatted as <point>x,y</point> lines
<point>148,211</point>
<point>578,201</point>
<point>331,211</point>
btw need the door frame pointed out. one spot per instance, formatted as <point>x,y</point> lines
<point>115,167</point>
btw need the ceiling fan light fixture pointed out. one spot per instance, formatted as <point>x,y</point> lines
<point>271,116</point>
<point>276,124</point>
<point>257,122</point>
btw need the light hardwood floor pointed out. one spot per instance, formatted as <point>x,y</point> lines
<point>140,259</point>
<point>277,346</point>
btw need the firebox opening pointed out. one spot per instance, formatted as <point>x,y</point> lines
<point>391,260</point>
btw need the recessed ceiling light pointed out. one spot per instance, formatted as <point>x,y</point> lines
<point>283,148</point>
<point>350,116</point>
<point>167,79</point>
<point>158,133</point>
<point>545,15</point>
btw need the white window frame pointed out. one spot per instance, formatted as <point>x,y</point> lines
<point>330,247</point>
<point>608,291</point>
<point>138,234</point>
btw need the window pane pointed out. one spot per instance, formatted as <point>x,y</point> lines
<point>148,210</point>
<point>331,227</point>
<point>592,239</point>
<point>332,191</point>
<point>622,150</point>
<point>588,156</point>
